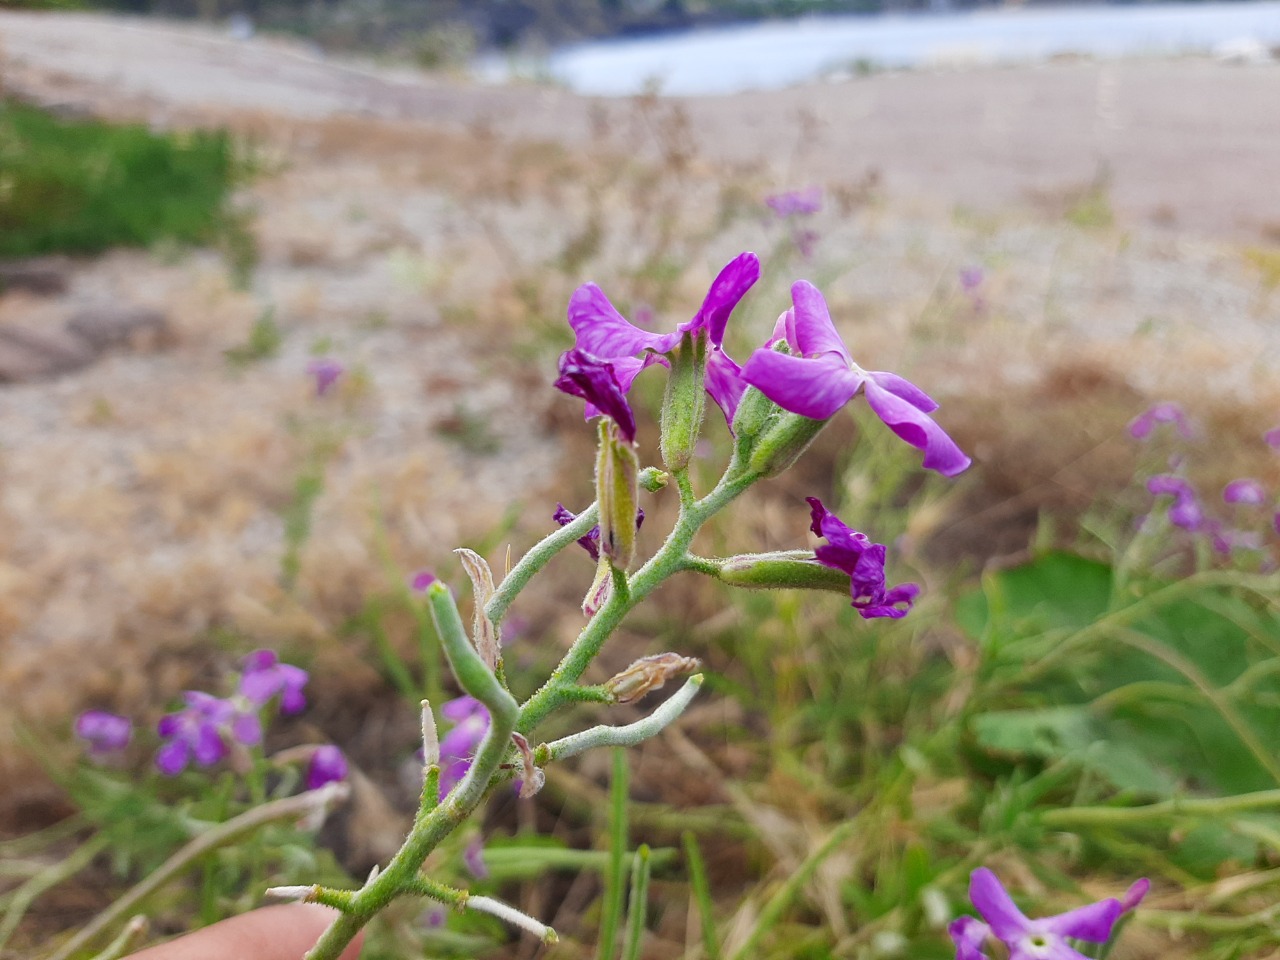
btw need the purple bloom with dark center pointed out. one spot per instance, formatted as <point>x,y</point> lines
<point>1185,511</point>
<point>103,733</point>
<point>854,553</point>
<point>1245,491</point>
<point>326,372</point>
<point>819,377</point>
<point>265,676</point>
<point>598,382</point>
<point>197,732</point>
<point>1026,939</point>
<point>795,203</point>
<point>327,765</point>
<point>591,541</point>
<point>458,747</point>
<point>603,332</point>
<point>1142,425</point>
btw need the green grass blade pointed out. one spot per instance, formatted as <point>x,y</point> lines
<point>702,894</point>
<point>614,888</point>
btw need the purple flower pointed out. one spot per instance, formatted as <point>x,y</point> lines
<point>1142,425</point>
<point>602,331</point>
<point>326,372</point>
<point>598,382</point>
<point>1273,438</point>
<point>971,279</point>
<point>1246,491</point>
<point>591,541</point>
<point>795,203</point>
<point>854,553</point>
<point>265,676</point>
<point>422,579</point>
<point>819,377</point>
<point>103,733</point>
<point>1025,939</point>
<point>806,241</point>
<point>197,732</point>
<point>458,746</point>
<point>1185,510</point>
<point>327,765</point>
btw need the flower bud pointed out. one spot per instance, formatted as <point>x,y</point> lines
<point>755,413</point>
<point>789,569</point>
<point>684,402</point>
<point>617,480</point>
<point>649,673</point>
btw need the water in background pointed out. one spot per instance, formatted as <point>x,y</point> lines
<point>780,53</point>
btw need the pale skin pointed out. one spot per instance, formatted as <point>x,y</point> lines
<point>272,933</point>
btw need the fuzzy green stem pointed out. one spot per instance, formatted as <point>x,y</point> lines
<point>1069,818</point>
<point>622,736</point>
<point>536,559</point>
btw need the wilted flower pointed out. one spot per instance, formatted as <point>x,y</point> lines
<point>793,203</point>
<point>597,381</point>
<point>603,332</point>
<point>327,765</point>
<point>591,541</point>
<point>854,553</point>
<point>197,732</point>
<point>1142,425</point>
<point>103,732</point>
<point>1185,511</point>
<point>265,676</point>
<point>1245,491</point>
<point>458,746</point>
<point>326,372</point>
<point>1043,939</point>
<point>819,377</point>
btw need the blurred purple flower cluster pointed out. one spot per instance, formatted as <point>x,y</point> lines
<point>793,206</point>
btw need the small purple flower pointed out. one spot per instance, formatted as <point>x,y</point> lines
<point>854,553</point>
<point>326,372</point>
<point>819,377</point>
<point>806,242</point>
<point>971,279</point>
<point>591,541</point>
<point>265,676</point>
<point>597,381</point>
<point>1142,425</point>
<point>1272,437</point>
<point>1185,511</point>
<point>327,765</point>
<point>458,746</point>
<point>197,732</point>
<point>103,733</point>
<point>1245,491</point>
<point>795,203</point>
<point>603,332</point>
<point>473,858</point>
<point>422,579</point>
<point>1043,939</point>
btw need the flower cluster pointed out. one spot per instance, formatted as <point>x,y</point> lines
<point>1024,939</point>
<point>794,206</point>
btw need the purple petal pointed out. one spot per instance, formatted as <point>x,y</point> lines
<point>422,579</point>
<point>326,372</point>
<point>625,370</point>
<point>292,680</point>
<point>1142,425</point>
<point>724,382</point>
<point>1092,922</point>
<point>247,729</point>
<point>207,746</point>
<point>260,686</point>
<point>815,333</point>
<point>590,541</point>
<point>996,906</point>
<point>451,775</point>
<point>904,389</point>
<point>784,330</point>
<point>259,660</point>
<point>473,857</point>
<point>811,388</point>
<point>601,330</point>
<point>914,426</point>
<point>173,757</point>
<point>170,724</point>
<point>888,606</point>
<point>793,203</point>
<point>327,765</point>
<point>1168,483</point>
<point>1133,896</point>
<point>969,934</point>
<point>1245,491</point>
<point>729,286</point>
<point>593,379</point>
<point>460,708</point>
<point>1186,513</point>
<point>1272,437</point>
<point>104,732</point>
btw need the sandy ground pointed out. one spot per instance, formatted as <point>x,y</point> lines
<point>423,230</point>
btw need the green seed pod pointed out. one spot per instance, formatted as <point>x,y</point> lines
<point>617,493</point>
<point>788,569</point>
<point>785,438</point>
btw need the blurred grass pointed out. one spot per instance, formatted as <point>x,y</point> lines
<point>84,186</point>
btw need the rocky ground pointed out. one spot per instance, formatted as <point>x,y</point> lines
<point>427,232</point>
